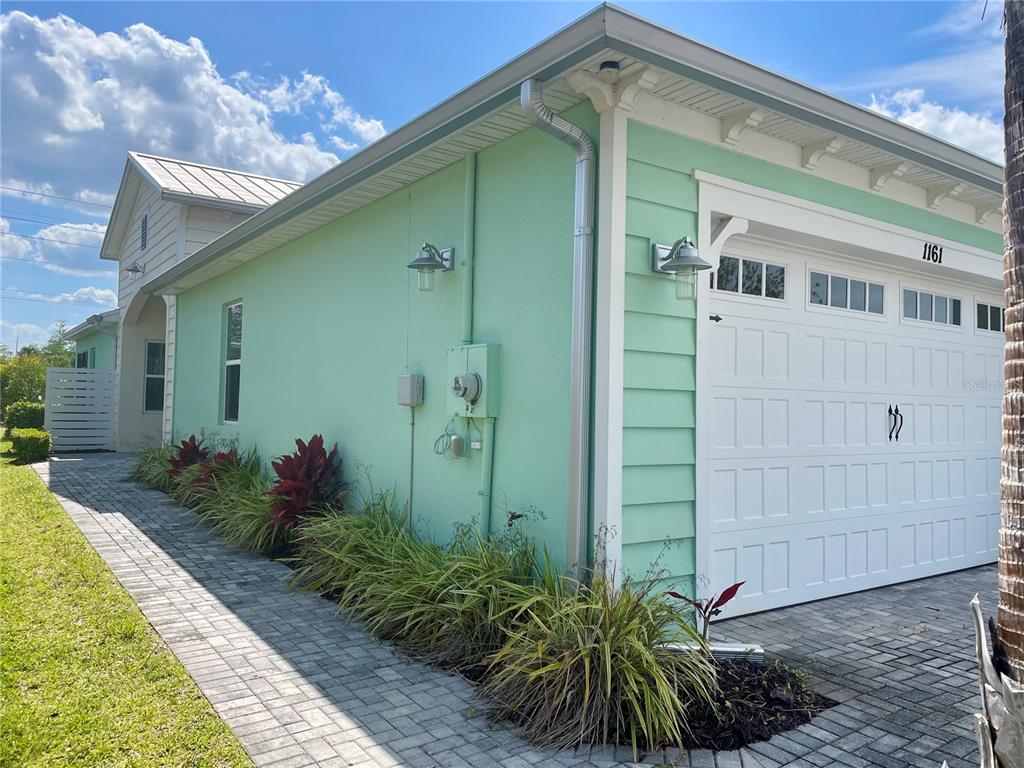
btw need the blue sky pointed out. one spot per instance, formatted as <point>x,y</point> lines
<point>290,89</point>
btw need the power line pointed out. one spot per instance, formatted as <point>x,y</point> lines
<point>36,293</point>
<point>48,240</point>
<point>79,227</point>
<point>98,272</point>
<point>55,197</point>
<point>43,219</point>
<point>44,301</point>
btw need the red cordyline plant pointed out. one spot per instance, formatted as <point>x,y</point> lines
<point>190,451</point>
<point>710,607</point>
<point>308,479</point>
<point>221,460</point>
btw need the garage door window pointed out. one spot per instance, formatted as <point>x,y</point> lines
<point>990,318</point>
<point>828,290</point>
<point>751,277</point>
<point>931,307</point>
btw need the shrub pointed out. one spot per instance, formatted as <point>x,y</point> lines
<point>22,377</point>
<point>190,451</point>
<point>153,466</point>
<point>30,445</point>
<point>445,604</point>
<point>588,663</point>
<point>231,497</point>
<point>309,478</point>
<point>25,415</point>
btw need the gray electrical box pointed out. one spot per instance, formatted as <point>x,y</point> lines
<point>410,389</point>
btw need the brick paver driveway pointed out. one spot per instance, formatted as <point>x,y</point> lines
<point>301,686</point>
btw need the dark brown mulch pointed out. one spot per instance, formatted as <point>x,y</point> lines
<point>755,702</point>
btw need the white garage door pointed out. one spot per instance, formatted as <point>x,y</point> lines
<point>813,488</point>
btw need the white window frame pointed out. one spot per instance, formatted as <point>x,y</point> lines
<point>988,331</point>
<point>918,322</point>
<point>147,375</point>
<point>227,364</point>
<point>830,273</point>
<point>739,294</point>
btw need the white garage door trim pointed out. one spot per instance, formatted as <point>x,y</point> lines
<point>735,199</point>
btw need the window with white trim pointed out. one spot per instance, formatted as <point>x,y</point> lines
<point>931,307</point>
<point>751,277</point>
<point>828,290</point>
<point>232,360</point>
<point>154,392</point>
<point>82,359</point>
<point>92,357</point>
<point>991,318</point>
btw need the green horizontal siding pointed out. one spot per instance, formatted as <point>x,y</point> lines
<point>659,416</point>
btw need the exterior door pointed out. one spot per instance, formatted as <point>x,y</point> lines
<point>814,488</point>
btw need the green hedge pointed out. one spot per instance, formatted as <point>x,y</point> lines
<point>24,415</point>
<point>30,444</point>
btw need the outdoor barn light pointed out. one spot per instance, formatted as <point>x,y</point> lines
<point>682,261</point>
<point>430,260</point>
<point>134,268</point>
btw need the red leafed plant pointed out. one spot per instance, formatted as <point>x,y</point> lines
<point>710,607</point>
<point>191,451</point>
<point>221,460</point>
<point>308,479</point>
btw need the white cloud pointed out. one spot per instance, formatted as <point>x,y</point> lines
<point>68,257</point>
<point>979,133</point>
<point>101,296</point>
<point>967,68</point>
<point>16,335</point>
<point>292,96</point>
<point>75,101</point>
<point>13,247</point>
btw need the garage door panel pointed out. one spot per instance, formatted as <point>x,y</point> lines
<point>808,496</point>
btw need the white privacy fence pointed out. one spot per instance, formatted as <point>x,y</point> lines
<point>80,409</point>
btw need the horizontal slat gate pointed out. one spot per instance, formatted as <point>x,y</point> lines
<point>80,408</point>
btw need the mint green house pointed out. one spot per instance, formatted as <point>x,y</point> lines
<point>96,341</point>
<point>485,310</point>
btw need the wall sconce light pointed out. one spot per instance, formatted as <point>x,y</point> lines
<point>430,260</point>
<point>681,260</point>
<point>134,268</point>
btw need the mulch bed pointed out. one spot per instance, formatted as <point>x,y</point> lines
<point>756,702</point>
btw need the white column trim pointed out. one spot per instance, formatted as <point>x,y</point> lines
<point>609,318</point>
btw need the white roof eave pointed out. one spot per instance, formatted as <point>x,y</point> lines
<point>605,28</point>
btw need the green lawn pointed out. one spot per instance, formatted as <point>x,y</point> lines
<point>84,679</point>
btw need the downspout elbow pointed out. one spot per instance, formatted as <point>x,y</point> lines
<point>531,100</point>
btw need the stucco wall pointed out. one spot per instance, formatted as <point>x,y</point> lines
<point>659,414</point>
<point>331,319</point>
<point>103,343</point>
<point>136,426</point>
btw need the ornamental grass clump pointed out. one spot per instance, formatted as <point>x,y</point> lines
<point>153,466</point>
<point>231,497</point>
<point>588,664</point>
<point>446,604</point>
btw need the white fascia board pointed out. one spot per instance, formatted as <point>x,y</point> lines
<point>720,196</point>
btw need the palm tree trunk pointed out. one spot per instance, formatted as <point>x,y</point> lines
<point>1010,619</point>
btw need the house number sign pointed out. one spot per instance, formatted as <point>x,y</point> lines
<point>932,252</point>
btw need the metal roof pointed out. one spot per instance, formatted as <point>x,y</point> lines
<point>204,184</point>
<point>695,75</point>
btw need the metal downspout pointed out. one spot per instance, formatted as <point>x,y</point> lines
<point>532,103</point>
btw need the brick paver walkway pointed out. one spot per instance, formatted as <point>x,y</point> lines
<point>301,686</point>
